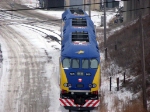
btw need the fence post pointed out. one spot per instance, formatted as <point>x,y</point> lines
<point>110,83</point>
<point>118,84</point>
<point>124,78</point>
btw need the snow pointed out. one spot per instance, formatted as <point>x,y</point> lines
<point>95,15</point>
<point>51,68</point>
<point>3,70</point>
<point>41,43</point>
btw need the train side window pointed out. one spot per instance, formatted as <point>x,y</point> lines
<point>66,63</point>
<point>93,63</point>
<point>85,63</point>
<point>75,63</point>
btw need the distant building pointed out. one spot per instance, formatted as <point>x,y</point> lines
<point>112,3</point>
<point>95,4</point>
<point>51,4</point>
<point>131,9</point>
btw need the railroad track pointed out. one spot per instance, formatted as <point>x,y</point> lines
<point>26,83</point>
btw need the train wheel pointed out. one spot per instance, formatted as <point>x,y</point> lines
<point>69,110</point>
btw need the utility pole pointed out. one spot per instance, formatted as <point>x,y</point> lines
<point>142,57</point>
<point>105,29</point>
<point>12,7</point>
<point>90,8</point>
<point>84,5</point>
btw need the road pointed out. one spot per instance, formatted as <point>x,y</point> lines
<point>24,87</point>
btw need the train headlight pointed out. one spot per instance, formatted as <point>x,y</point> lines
<point>69,85</point>
<point>92,85</point>
<point>72,73</point>
<point>88,74</point>
<point>65,84</point>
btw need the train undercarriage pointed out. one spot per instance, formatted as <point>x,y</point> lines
<point>79,101</point>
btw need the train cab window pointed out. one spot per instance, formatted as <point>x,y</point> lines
<point>75,63</point>
<point>93,63</point>
<point>66,63</point>
<point>85,64</point>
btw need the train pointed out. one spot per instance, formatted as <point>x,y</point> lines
<point>80,74</point>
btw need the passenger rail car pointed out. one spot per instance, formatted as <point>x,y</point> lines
<point>79,63</point>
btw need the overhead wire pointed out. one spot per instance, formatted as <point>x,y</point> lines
<point>70,6</point>
<point>55,7</point>
<point>64,7</point>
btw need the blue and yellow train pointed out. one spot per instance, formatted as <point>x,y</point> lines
<point>79,62</point>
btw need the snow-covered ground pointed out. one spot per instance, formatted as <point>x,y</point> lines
<point>95,15</point>
<point>51,68</point>
<point>37,40</point>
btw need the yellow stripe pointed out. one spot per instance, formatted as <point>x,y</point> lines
<point>97,80</point>
<point>63,79</point>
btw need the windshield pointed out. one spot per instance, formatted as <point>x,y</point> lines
<point>75,63</point>
<point>85,63</point>
<point>93,63</point>
<point>66,63</point>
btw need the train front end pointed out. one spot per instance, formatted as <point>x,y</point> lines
<point>80,77</point>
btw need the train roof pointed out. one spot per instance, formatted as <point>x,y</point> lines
<point>74,13</point>
<point>69,30</point>
<point>74,35</point>
<point>80,51</point>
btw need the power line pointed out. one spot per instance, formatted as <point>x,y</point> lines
<point>61,19</point>
<point>56,7</point>
<point>71,6</point>
<point>59,7</point>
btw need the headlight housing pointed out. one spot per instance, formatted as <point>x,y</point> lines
<point>92,85</point>
<point>67,85</point>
